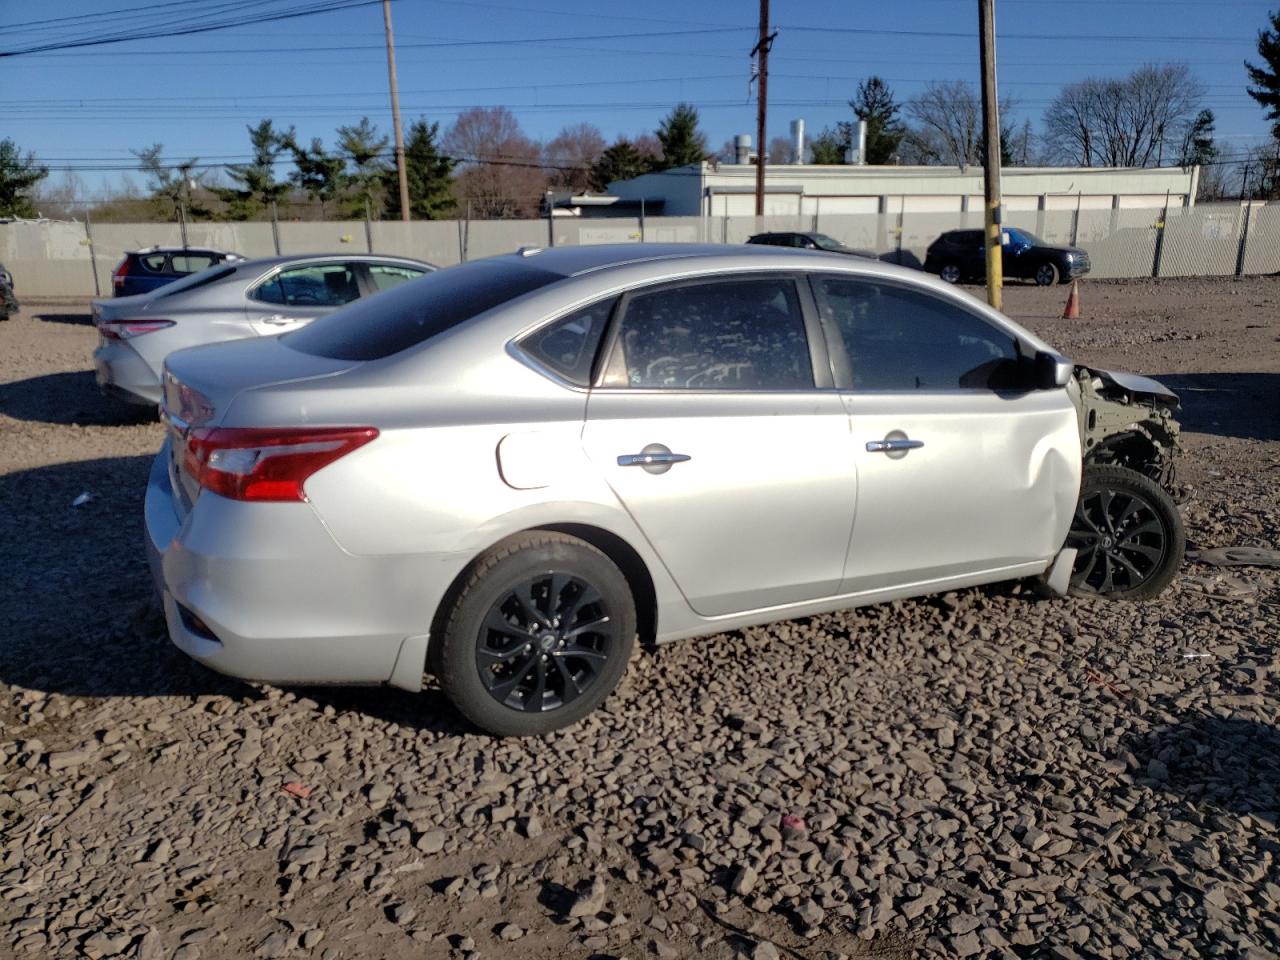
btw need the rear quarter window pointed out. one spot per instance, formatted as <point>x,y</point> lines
<point>412,313</point>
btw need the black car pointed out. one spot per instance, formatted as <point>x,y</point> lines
<point>809,241</point>
<point>142,271</point>
<point>960,255</point>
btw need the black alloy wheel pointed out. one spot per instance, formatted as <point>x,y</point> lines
<point>544,642</point>
<point>1127,533</point>
<point>538,636</point>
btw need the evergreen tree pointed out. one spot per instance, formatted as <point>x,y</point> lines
<point>365,153</point>
<point>874,103</point>
<point>318,172</point>
<point>827,147</point>
<point>429,175</point>
<point>257,187</point>
<point>18,174</point>
<point>172,186</point>
<point>1265,79</point>
<point>622,161</point>
<point>1197,146</point>
<point>682,142</point>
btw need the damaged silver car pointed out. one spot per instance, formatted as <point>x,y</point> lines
<point>507,472</point>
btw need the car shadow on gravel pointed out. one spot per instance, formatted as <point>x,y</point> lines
<point>1230,764</point>
<point>427,711</point>
<point>77,319</point>
<point>77,602</point>
<point>69,399</point>
<point>1241,405</point>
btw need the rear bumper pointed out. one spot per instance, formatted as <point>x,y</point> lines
<point>121,372</point>
<point>261,591</point>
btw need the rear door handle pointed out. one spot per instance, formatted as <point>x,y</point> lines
<point>651,459</point>
<point>893,446</point>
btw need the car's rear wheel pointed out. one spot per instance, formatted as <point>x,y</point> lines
<point>1127,533</point>
<point>950,272</point>
<point>1046,275</point>
<point>539,636</point>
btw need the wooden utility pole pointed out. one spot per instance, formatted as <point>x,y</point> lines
<point>395,111</point>
<point>762,101</point>
<point>991,164</point>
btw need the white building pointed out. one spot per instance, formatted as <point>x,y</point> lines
<point>724,189</point>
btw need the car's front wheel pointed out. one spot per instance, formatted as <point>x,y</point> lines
<point>539,636</point>
<point>1127,533</point>
<point>1046,275</point>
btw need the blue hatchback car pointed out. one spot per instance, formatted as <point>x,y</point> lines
<point>142,271</point>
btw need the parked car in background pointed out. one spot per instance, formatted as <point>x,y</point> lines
<point>235,299</point>
<point>505,472</point>
<point>809,241</point>
<point>960,255</point>
<point>8,299</point>
<point>142,271</point>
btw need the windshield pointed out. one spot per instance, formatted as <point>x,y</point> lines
<point>191,281</point>
<point>826,243</point>
<point>1025,236</point>
<point>415,311</point>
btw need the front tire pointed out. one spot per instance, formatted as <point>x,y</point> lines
<point>539,636</point>
<point>1046,275</point>
<point>1128,534</point>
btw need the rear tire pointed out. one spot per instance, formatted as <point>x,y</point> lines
<point>539,636</point>
<point>1128,534</point>
<point>950,273</point>
<point>1046,275</point>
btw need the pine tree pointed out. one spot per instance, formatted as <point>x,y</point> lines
<point>318,172</point>
<point>1265,79</point>
<point>429,175</point>
<point>874,103</point>
<point>18,174</point>
<point>258,187</point>
<point>827,148</point>
<point>365,152</point>
<point>682,142</point>
<point>622,161</point>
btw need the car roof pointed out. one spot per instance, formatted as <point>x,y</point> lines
<point>346,255</point>
<point>576,260</point>
<point>187,249</point>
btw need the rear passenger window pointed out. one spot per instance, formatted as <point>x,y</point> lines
<point>568,346</point>
<point>153,262</point>
<point>901,339</point>
<point>722,335</point>
<point>385,276</point>
<point>191,262</point>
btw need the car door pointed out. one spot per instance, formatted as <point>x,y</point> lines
<point>962,468</point>
<point>293,296</point>
<point>719,431</point>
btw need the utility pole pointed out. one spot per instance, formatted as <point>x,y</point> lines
<point>991,166</point>
<point>762,101</point>
<point>395,111</point>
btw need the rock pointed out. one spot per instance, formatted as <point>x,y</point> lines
<point>764,950</point>
<point>380,793</point>
<point>590,900</point>
<point>300,856</point>
<point>65,759</point>
<point>431,841</point>
<point>744,881</point>
<point>509,932</point>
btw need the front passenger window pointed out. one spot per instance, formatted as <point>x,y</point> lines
<point>902,339</point>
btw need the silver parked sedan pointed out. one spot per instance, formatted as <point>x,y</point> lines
<point>230,301</point>
<point>505,472</point>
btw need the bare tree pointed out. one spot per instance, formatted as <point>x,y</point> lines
<point>947,126</point>
<point>781,150</point>
<point>500,168</point>
<point>1128,122</point>
<point>571,154</point>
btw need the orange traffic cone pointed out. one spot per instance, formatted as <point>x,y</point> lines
<point>1072,310</point>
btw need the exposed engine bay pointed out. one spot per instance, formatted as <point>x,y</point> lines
<point>1128,421</point>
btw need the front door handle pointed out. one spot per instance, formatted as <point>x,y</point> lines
<point>277,319</point>
<point>892,446</point>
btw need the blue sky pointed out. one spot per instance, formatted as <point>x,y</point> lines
<point>195,94</point>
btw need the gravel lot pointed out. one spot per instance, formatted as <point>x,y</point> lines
<point>982,773</point>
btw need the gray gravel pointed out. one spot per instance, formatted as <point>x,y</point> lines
<point>986,773</point>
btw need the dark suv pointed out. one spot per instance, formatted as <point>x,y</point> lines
<point>960,255</point>
<point>141,271</point>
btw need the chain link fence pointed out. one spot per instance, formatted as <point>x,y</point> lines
<point>75,259</point>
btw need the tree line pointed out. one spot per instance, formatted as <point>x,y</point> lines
<point>486,166</point>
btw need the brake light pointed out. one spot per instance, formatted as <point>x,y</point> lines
<point>128,329</point>
<point>270,464</point>
<point>122,271</point>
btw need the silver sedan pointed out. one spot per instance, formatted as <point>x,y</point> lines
<point>230,301</point>
<point>505,473</point>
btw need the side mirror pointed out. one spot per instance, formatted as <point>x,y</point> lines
<point>1052,370</point>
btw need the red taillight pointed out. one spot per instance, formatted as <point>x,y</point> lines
<point>122,271</point>
<point>266,464</point>
<point>128,329</point>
